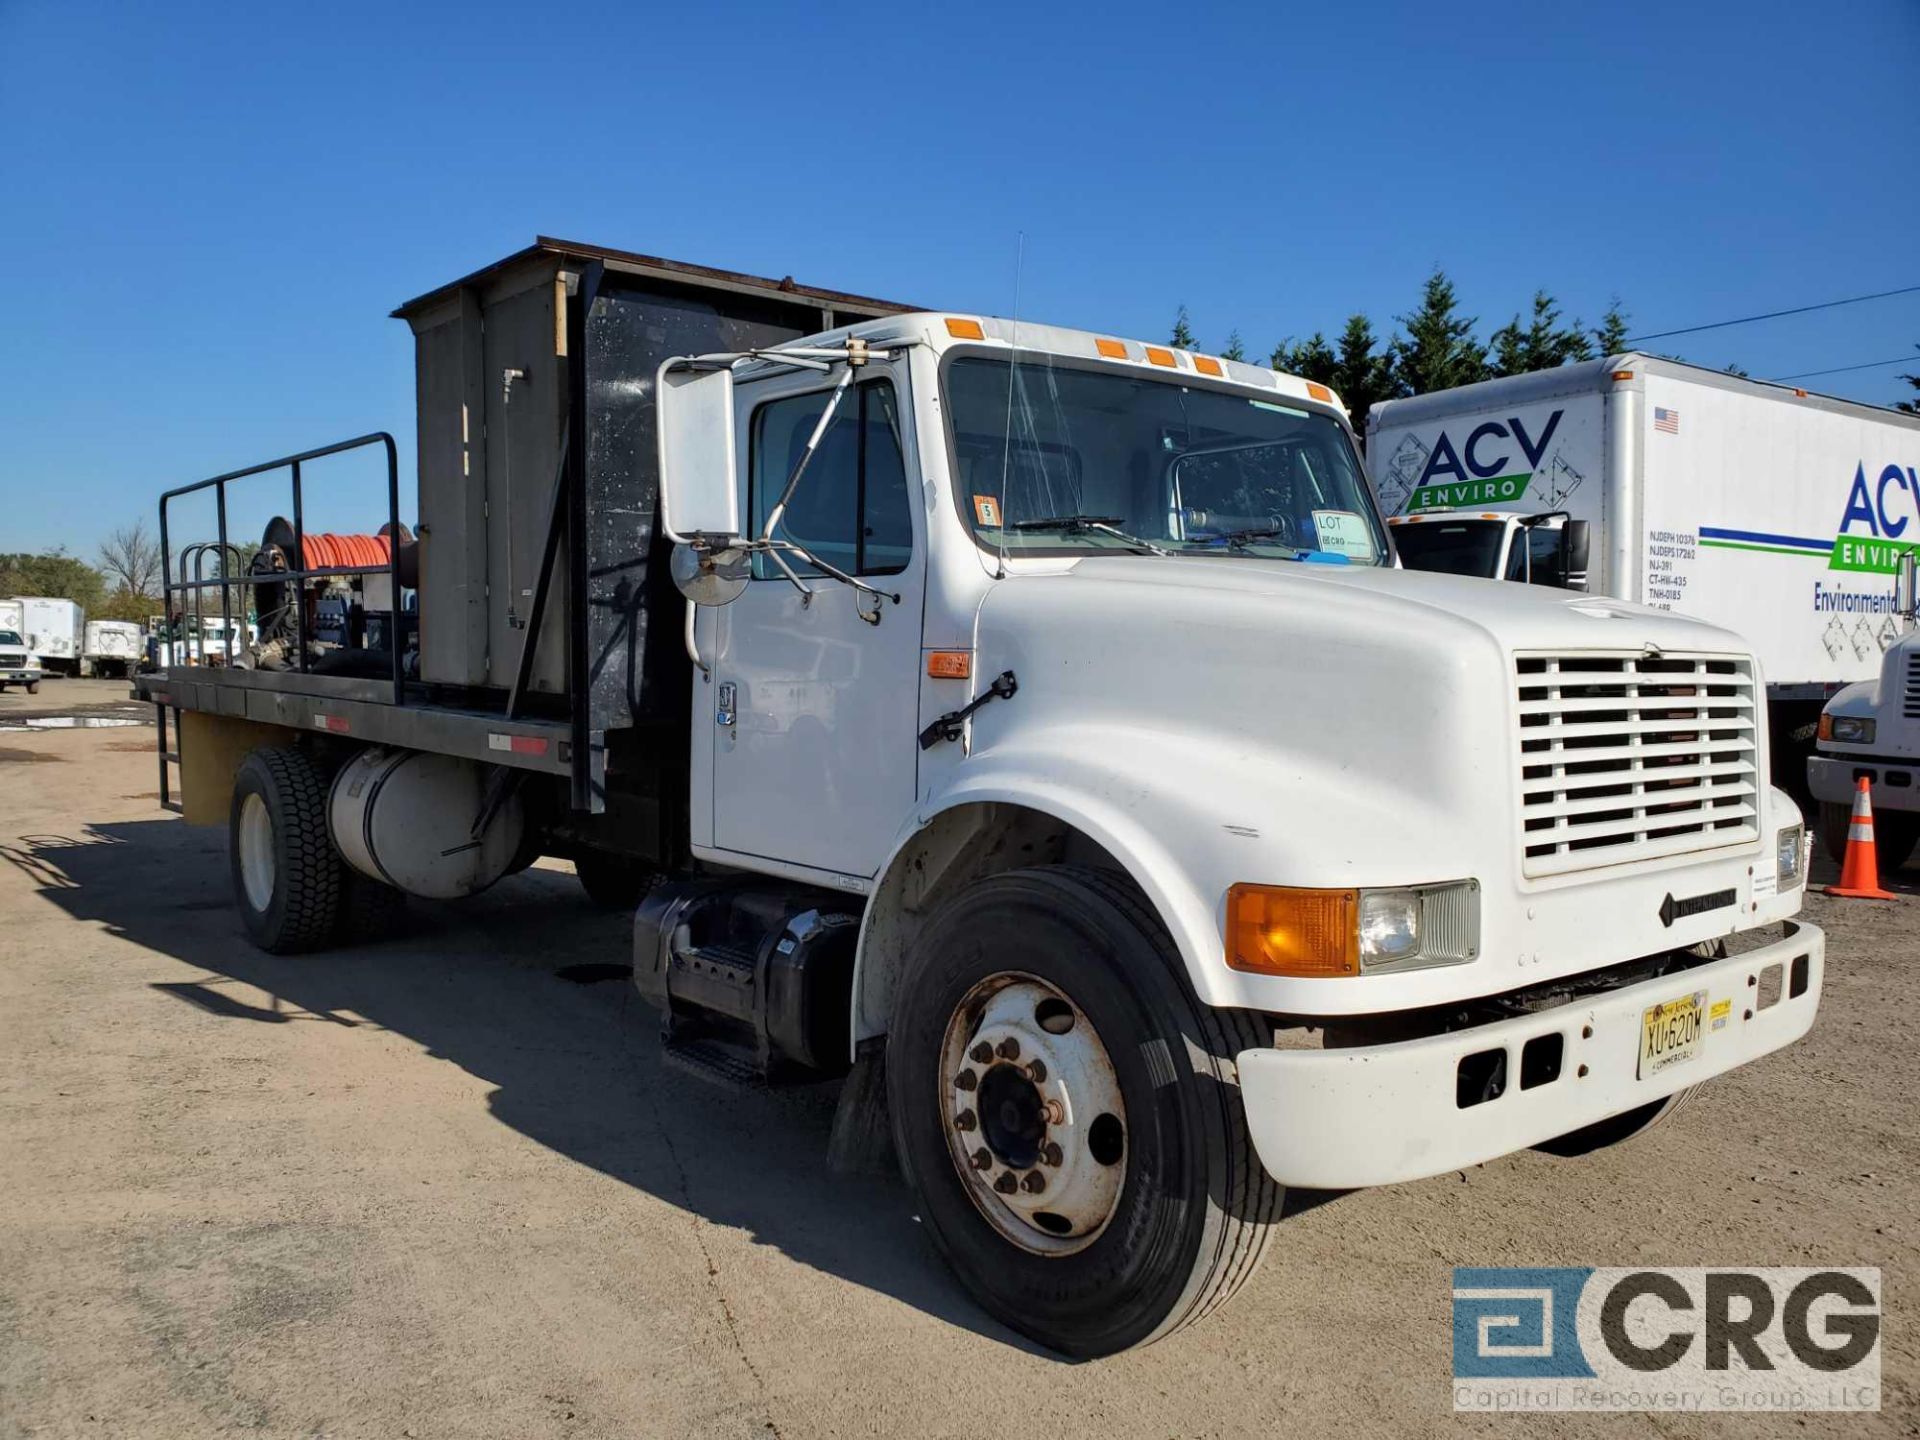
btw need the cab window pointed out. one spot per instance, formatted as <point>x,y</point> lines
<point>852,508</point>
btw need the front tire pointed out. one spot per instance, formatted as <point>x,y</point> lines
<point>1119,1197</point>
<point>287,876</point>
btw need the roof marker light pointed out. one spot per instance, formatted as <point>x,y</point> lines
<point>965,329</point>
<point>1319,392</point>
<point>1161,357</point>
<point>1112,349</point>
<point>1623,374</point>
<point>1207,365</point>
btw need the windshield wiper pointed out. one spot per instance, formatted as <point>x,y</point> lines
<point>1240,539</point>
<point>1079,524</point>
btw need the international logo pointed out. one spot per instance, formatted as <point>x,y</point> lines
<point>1588,1338</point>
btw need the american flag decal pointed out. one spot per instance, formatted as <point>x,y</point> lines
<point>1666,420</point>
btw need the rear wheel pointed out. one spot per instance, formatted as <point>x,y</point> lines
<point>1069,1114</point>
<point>1895,835</point>
<point>287,877</point>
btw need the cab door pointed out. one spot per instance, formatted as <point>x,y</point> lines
<point>815,699</point>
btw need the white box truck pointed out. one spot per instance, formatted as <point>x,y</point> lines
<point>56,631</point>
<point>1759,507</point>
<point>1871,731</point>
<point>1030,725</point>
<point>113,647</point>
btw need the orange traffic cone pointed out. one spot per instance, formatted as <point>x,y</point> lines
<point>1860,873</point>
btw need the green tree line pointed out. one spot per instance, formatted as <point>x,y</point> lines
<point>1433,347</point>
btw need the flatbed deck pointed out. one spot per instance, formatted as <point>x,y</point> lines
<point>361,709</point>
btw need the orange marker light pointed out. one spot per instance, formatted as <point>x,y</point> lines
<point>1306,934</point>
<point>1159,356</point>
<point>1623,374</point>
<point>965,329</point>
<point>1319,392</point>
<point>1207,365</point>
<point>1112,349</point>
<point>949,664</point>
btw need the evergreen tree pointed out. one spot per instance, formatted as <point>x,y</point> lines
<point>1439,351</point>
<point>1311,359</point>
<point>1912,407</point>
<point>1363,374</point>
<point>1236,348</point>
<point>1543,344</point>
<point>1610,336</point>
<point>1182,332</point>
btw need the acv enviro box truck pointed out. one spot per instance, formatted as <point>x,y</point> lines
<point>1029,725</point>
<point>1764,508</point>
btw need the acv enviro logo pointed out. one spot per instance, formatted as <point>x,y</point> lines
<point>1587,1338</point>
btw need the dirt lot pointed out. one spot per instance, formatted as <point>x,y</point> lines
<point>443,1186</point>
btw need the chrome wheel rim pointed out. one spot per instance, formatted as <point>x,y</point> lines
<point>256,852</point>
<point>1035,1123</point>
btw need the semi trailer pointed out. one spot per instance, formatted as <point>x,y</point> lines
<point>1757,506</point>
<point>1029,725</point>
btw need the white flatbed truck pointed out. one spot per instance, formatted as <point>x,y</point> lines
<point>1031,725</point>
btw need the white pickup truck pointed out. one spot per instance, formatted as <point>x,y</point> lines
<point>1048,737</point>
<point>18,665</point>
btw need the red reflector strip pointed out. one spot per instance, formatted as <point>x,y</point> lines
<point>517,744</point>
<point>335,723</point>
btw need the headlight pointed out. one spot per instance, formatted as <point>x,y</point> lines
<point>1790,854</point>
<point>1847,729</point>
<point>1322,934</point>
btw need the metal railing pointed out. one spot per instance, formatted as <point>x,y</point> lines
<point>227,583</point>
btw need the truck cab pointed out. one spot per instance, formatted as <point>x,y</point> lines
<point>1535,549</point>
<point>1870,731</point>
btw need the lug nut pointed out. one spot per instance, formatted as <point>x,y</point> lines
<point>1034,1182</point>
<point>1052,1154</point>
<point>1036,1072</point>
<point>965,1080</point>
<point>964,1120</point>
<point>982,1158</point>
<point>1009,1049</point>
<point>982,1054</point>
<point>1056,1113</point>
<point>1006,1184</point>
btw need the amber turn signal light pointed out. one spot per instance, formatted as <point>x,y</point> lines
<point>949,664</point>
<point>965,329</point>
<point>1304,934</point>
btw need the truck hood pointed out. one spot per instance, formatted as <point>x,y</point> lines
<point>1533,617</point>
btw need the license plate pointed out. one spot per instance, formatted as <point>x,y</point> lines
<point>1671,1032</point>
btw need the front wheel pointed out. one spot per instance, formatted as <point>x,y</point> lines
<point>1070,1116</point>
<point>33,687</point>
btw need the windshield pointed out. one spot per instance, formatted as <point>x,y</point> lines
<point>1103,460</point>
<point>1454,547</point>
<point>10,637</point>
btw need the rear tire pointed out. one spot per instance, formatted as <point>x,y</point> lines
<point>369,910</point>
<point>1187,1220</point>
<point>287,876</point>
<point>1895,835</point>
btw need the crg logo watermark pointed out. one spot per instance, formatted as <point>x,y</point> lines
<point>1581,1338</point>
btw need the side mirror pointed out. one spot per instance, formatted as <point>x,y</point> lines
<point>699,490</point>
<point>1576,542</point>
<point>1904,586</point>
<point>711,577</point>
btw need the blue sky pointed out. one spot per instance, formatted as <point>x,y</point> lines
<point>206,211</point>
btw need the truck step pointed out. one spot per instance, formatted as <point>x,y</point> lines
<point>714,1061</point>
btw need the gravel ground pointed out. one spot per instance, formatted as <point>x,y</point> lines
<point>443,1186</point>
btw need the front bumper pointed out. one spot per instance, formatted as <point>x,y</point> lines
<point>1374,1115</point>
<point>20,677</point>
<point>1896,783</point>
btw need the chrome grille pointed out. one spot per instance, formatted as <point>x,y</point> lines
<point>1634,757</point>
<point>1911,706</point>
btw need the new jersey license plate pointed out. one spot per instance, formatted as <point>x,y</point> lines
<point>1671,1032</point>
